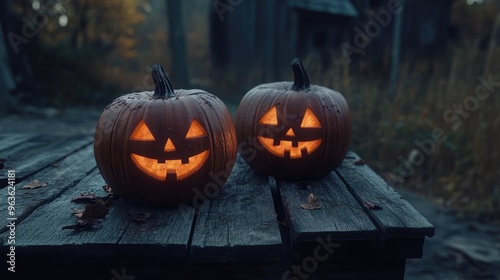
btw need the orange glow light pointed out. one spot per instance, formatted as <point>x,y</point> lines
<point>286,146</point>
<point>159,170</point>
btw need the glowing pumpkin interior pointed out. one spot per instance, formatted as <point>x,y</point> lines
<point>287,148</point>
<point>171,167</point>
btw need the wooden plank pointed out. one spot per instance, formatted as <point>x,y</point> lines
<point>9,140</point>
<point>43,228</point>
<point>307,268</point>
<point>397,218</point>
<point>369,249</point>
<point>136,268</point>
<point>59,177</point>
<point>339,218</point>
<point>240,223</point>
<point>38,153</point>
<point>386,268</point>
<point>167,231</point>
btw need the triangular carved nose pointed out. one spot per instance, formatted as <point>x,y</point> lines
<point>169,146</point>
<point>290,133</point>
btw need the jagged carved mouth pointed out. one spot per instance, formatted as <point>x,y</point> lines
<point>170,168</point>
<point>286,149</point>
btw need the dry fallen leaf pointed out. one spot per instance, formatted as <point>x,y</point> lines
<point>78,213</point>
<point>311,203</point>
<point>108,200</point>
<point>360,162</point>
<point>96,211</point>
<point>34,184</point>
<point>107,189</point>
<point>85,197</point>
<point>371,206</point>
<point>83,225</point>
<point>312,199</point>
<point>140,217</point>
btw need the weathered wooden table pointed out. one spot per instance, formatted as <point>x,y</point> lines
<point>254,228</point>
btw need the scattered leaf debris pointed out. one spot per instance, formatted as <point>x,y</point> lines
<point>96,209</point>
<point>311,203</point>
<point>85,197</point>
<point>83,225</point>
<point>78,213</point>
<point>109,200</point>
<point>360,162</point>
<point>140,217</point>
<point>107,189</point>
<point>34,184</point>
<point>371,206</point>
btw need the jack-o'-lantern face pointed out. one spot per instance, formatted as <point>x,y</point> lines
<point>166,160</point>
<point>293,136</point>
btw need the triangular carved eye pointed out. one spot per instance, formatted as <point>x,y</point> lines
<point>195,130</point>
<point>310,120</point>
<point>142,133</point>
<point>270,118</point>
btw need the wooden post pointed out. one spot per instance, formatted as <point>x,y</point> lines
<point>292,32</point>
<point>396,50</point>
<point>269,43</point>
<point>491,47</point>
<point>177,44</point>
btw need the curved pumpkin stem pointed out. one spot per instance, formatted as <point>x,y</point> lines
<point>300,79</point>
<point>163,87</point>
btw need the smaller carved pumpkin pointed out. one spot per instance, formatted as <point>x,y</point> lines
<point>159,147</point>
<point>293,130</point>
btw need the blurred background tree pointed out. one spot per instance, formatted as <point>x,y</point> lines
<point>69,48</point>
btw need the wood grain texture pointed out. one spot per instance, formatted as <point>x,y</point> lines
<point>397,218</point>
<point>240,223</point>
<point>235,232</point>
<point>9,140</point>
<point>44,226</point>
<point>59,177</point>
<point>165,233</point>
<point>340,216</point>
<point>38,153</point>
<point>170,229</point>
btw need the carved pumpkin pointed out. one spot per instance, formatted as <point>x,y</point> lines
<point>293,130</point>
<point>160,147</point>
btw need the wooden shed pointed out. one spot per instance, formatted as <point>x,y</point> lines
<point>425,30</point>
<point>266,35</point>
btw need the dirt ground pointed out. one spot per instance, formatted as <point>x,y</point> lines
<point>460,250</point>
